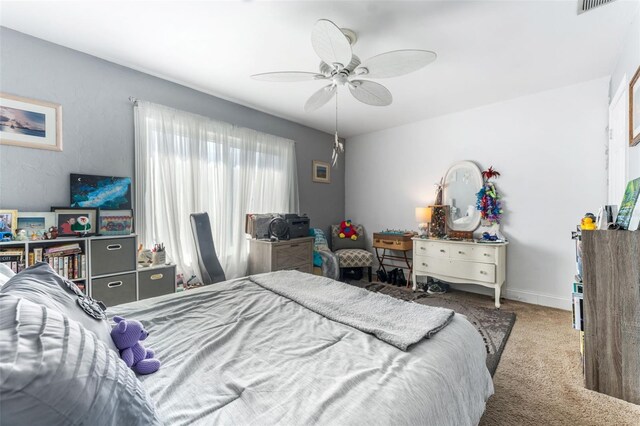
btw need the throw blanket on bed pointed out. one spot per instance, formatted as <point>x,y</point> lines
<point>394,321</point>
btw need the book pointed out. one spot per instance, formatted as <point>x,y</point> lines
<point>62,248</point>
<point>65,266</point>
<point>578,322</point>
<point>629,213</point>
<point>37,254</point>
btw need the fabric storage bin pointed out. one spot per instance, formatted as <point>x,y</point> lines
<point>156,281</point>
<point>115,289</point>
<point>113,255</point>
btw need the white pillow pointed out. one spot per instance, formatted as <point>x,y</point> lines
<point>55,372</point>
<point>5,274</point>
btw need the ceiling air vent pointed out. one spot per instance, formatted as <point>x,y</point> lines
<point>587,5</point>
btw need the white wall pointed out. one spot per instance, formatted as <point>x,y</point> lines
<point>550,149</point>
<point>628,63</point>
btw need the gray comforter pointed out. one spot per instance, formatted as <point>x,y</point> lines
<point>238,353</point>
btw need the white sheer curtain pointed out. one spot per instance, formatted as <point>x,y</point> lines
<point>187,163</point>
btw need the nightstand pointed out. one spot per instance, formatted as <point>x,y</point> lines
<point>269,256</point>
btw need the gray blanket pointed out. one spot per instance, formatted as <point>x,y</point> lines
<point>235,353</point>
<point>394,321</point>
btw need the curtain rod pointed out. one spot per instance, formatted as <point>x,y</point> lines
<point>133,100</point>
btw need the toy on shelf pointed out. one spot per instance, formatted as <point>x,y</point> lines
<point>588,222</point>
<point>347,230</point>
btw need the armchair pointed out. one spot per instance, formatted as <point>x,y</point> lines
<point>350,253</point>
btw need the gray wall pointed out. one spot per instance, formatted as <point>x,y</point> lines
<point>98,126</point>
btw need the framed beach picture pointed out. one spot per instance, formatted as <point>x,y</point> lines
<point>103,192</point>
<point>321,172</point>
<point>36,223</point>
<point>116,222</point>
<point>30,123</point>
<point>634,109</point>
<point>73,222</point>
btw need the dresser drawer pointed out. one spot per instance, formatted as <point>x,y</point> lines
<point>432,249</point>
<point>113,255</point>
<point>484,272</point>
<point>156,282</point>
<point>302,268</point>
<point>115,289</point>
<point>473,254</point>
<point>434,265</point>
<point>287,256</point>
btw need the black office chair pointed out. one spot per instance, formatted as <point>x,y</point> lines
<point>210,268</point>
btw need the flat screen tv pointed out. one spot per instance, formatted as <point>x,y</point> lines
<point>104,192</point>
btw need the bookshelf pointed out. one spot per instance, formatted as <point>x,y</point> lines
<point>104,267</point>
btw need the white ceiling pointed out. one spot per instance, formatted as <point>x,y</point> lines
<point>488,51</point>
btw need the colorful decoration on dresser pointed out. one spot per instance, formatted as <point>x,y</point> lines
<point>347,230</point>
<point>488,202</point>
<point>438,226</point>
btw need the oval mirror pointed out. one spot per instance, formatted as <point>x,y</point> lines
<point>461,184</point>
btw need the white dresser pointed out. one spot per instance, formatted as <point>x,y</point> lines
<point>460,262</point>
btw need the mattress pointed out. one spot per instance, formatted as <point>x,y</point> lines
<point>237,353</point>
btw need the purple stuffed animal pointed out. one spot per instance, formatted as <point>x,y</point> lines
<point>127,335</point>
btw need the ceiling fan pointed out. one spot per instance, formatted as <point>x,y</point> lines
<point>342,68</point>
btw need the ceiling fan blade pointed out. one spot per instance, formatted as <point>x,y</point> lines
<point>320,98</point>
<point>395,63</point>
<point>370,93</point>
<point>330,43</point>
<point>288,76</point>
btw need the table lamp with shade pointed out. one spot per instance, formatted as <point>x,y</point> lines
<point>423,217</point>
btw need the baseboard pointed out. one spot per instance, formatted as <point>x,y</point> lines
<point>538,299</point>
<point>520,295</point>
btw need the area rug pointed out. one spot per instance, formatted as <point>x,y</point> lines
<point>494,325</point>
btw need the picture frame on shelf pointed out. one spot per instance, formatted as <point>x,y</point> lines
<point>76,221</point>
<point>115,222</point>
<point>102,192</point>
<point>30,123</point>
<point>321,172</point>
<point>634,109</point>
<point>8,224</point>
<point>36,223</point>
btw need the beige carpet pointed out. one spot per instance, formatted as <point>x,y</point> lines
<point>539,378</point>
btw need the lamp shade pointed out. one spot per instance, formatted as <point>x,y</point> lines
<point>423,214</point>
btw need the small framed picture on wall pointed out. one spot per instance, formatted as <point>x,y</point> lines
<point>321,172</point>
<point>634,109</point>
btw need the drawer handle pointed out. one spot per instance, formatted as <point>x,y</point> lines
<point>424,264</point>
<point>294,245</point>
<point>486,254</point>
<point>422,248</point>
<point>156,276</point>
<point>113,284</point>
<point>114,247</point>
<point>442,251</point>
<point>483,273</point>
<point>387,242</point>
<point>460,252</point>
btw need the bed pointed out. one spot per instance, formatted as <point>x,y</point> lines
<point>242,352</point>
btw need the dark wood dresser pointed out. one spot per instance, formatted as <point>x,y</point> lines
<point>611,273</point>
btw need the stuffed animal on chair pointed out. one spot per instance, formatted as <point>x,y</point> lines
<point>347,230</point>
<point>127,335</point>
